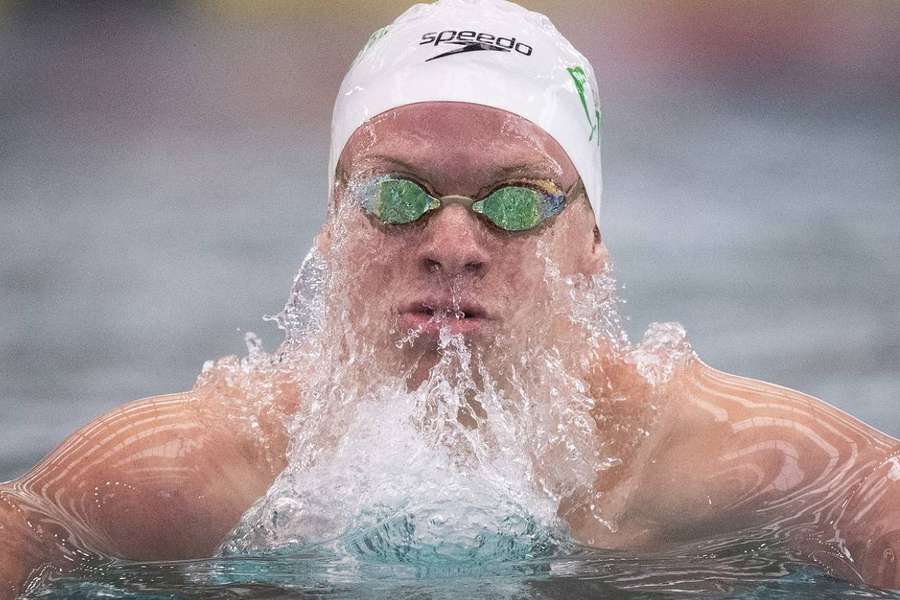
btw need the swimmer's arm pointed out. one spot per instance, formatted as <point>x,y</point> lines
<point>772,455</point>
<point>20,549</point>
<point>869,522</point>
<point>788,457</point>
<point>157,479</point>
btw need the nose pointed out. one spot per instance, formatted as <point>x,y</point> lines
<point>454,244</point>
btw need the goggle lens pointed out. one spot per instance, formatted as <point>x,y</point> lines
<point>399,201</point>
<point>511,208</point>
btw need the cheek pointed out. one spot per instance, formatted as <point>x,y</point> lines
<point>519,279</point>
<point>570,244</point>
<point>373,267</point>
<point>526,277</point>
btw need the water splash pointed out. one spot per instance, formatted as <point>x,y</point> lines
<point>663,350</point>
<point>466,452</point>
<point>303,313</point>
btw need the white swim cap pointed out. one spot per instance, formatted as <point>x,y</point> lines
<point>489,52</point>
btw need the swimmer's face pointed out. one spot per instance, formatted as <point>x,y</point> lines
<point>489,281</point>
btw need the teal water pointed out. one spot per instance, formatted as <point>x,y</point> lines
<point>370,565</point>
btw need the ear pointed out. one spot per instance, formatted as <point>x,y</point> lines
<point>598,257</point>
<point>322,241</point>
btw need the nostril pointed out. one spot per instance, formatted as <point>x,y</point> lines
<point>431,265</point>
<point>474,267</point>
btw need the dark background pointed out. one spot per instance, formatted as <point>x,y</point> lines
<point>163,170</point>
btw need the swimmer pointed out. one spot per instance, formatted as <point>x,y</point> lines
<point>464,168</point>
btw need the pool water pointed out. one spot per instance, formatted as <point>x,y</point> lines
<point>748,567</point>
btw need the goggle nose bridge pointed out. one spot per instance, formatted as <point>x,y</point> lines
<point>456,199</point>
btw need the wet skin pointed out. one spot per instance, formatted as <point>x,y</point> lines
<point>168,477</point>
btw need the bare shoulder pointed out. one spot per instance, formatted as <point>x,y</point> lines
<point>741,451</point>
<point>743,410</point>
<point>161,478</point>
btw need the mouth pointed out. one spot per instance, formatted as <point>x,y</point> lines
<point>429,317</point>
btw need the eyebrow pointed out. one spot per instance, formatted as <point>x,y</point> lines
<point>531,170</point>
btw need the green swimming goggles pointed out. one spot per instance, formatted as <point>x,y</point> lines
<point>518,207</point>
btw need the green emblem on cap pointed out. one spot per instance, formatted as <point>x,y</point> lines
<point>581,82</point>
<point>376,35</point>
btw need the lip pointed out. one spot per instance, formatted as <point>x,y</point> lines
<point>429,316</point>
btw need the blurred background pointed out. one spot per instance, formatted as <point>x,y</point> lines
<point>163,171</point>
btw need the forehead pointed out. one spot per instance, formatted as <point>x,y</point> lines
<point>457,147</point>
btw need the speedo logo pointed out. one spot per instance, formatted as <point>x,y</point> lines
<point>472,41</point>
